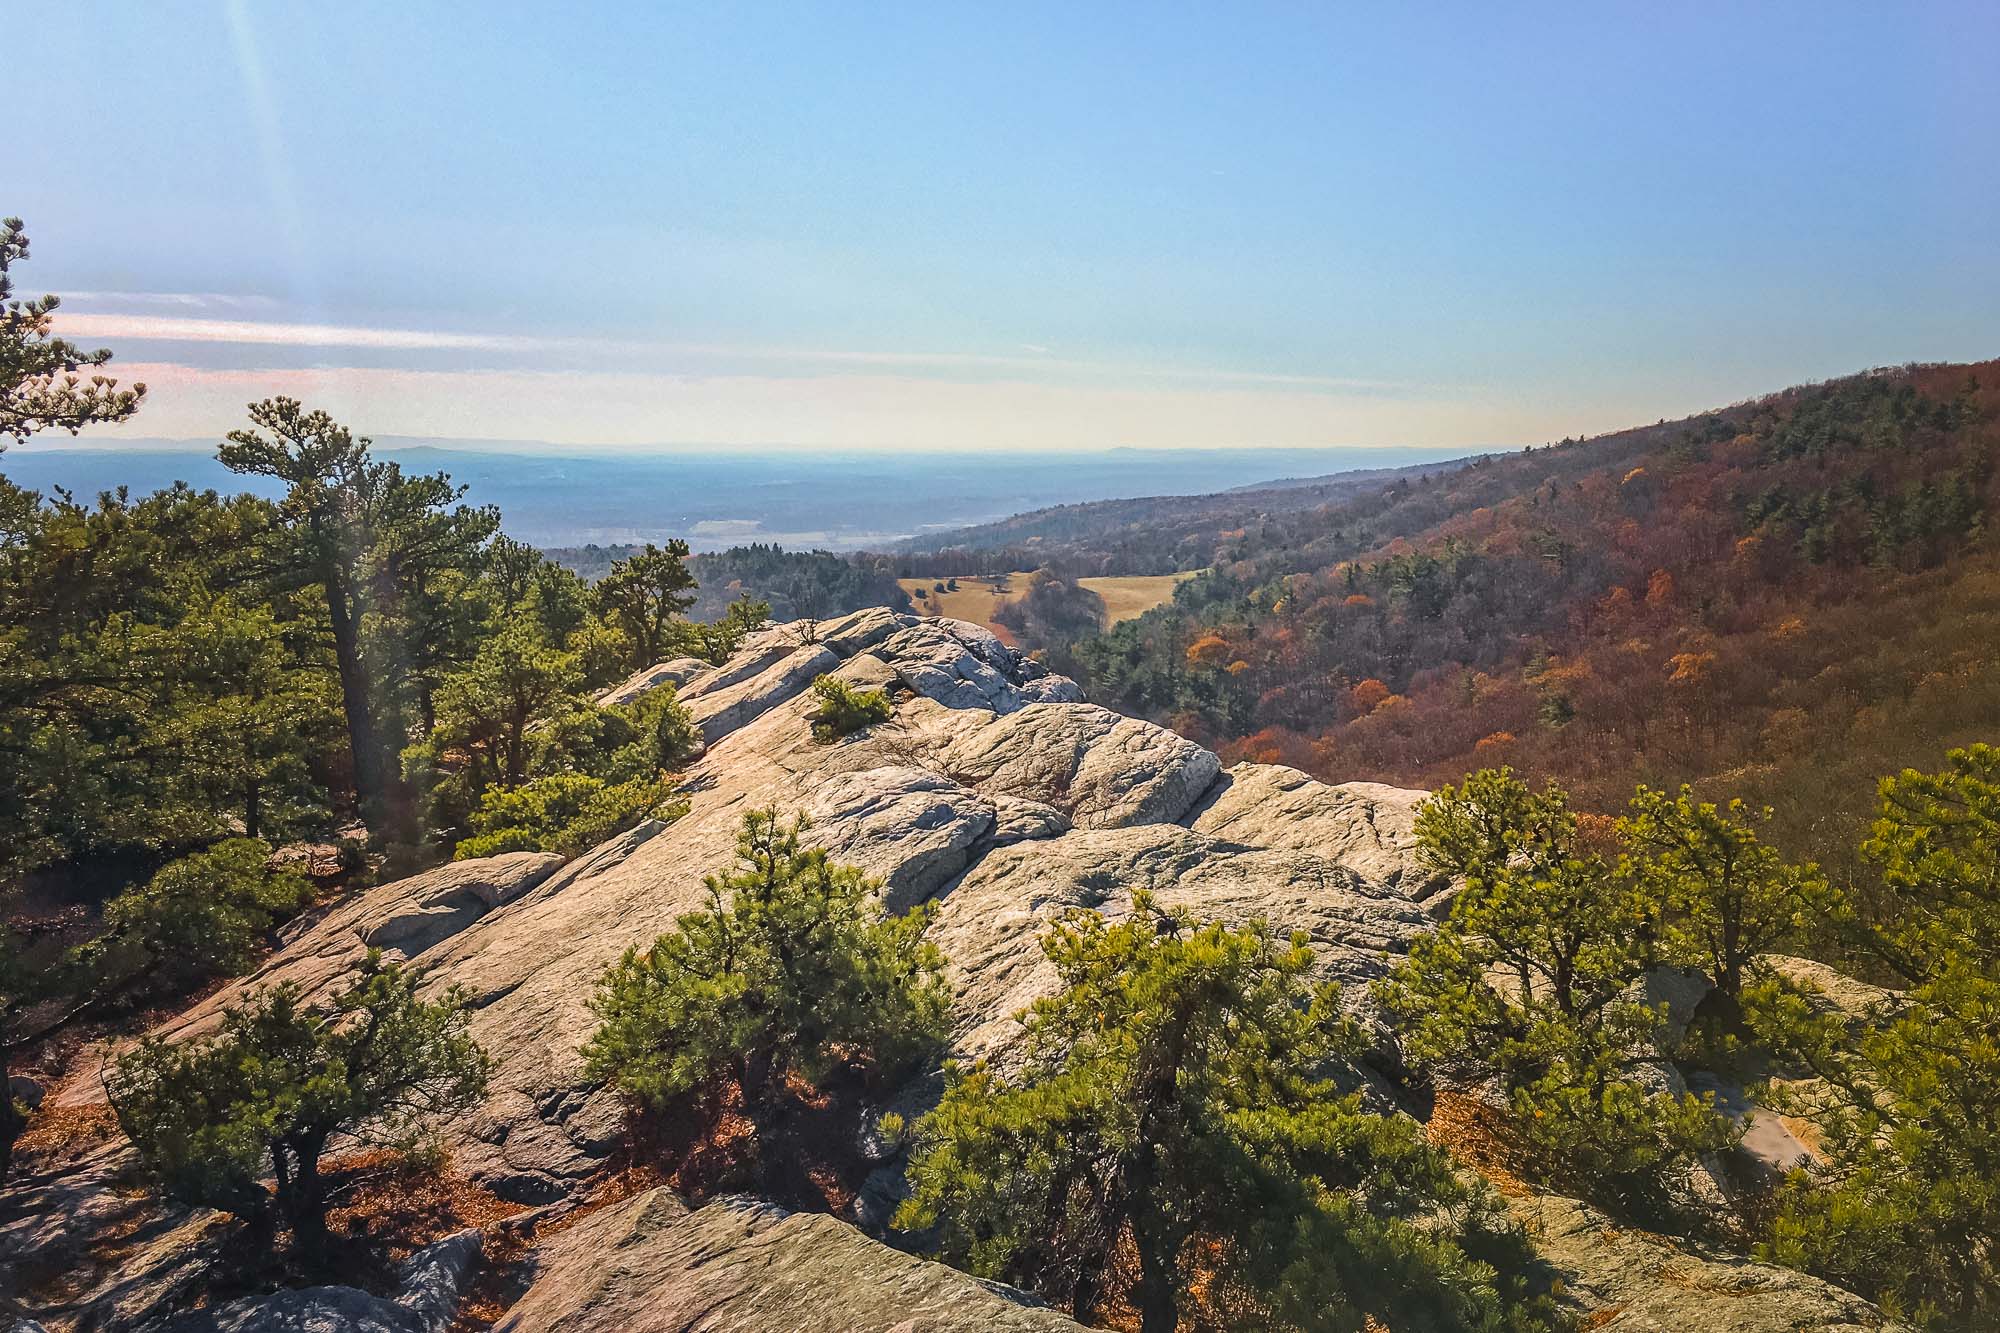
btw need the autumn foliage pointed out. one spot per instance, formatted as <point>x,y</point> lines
<point>1783,597</point>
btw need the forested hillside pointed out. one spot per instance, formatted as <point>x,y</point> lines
<point>794,583</point>
<point>1780,598</point>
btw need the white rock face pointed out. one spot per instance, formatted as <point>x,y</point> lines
<point>991,923</point>
<point>1099,769</point>
<point>1626,1281</point>
<point>676,671</point>
<point>992,791</point>
<point>1366,826</point>
<point>1005,809</point>
<point>649,1265</point>
<point>405,920</point>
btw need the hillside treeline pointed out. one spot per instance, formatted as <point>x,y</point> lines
<point>796,584</point>
<point>1161,534</point>
<point>1782,598</point>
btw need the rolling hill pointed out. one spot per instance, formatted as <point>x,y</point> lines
<point>1779,598</point>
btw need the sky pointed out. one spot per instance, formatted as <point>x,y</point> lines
<point>1022,226</point>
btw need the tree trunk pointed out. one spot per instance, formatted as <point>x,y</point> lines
<point>1159,1303</point>
<point>302,1200</point>
<point>12,1122</point>
<point>763,1107</point>
<point>354,701</point>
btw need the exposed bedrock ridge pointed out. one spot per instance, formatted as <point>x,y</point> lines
<point>993,790</point>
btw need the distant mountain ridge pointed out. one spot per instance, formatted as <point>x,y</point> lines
<point>1156,534</point>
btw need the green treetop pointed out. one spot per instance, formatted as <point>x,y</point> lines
<point>1176,1098</point>
<point>644,596</point>
<point>266,1093</point>
<point>42,384</point>
<point>791,969</point>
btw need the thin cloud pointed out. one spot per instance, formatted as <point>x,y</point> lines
<point>170,328</point>
<point>175,300</point>
<point>166,328</point>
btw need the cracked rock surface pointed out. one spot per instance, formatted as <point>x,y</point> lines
<point>649,1265</point>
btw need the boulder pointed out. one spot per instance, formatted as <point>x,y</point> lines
<point>1857,1002</point>
<point>959,665</point>
<point>1365,826</point>
<point>433,1282</point>
<point>676,671</point>
<point>1623,1281</point>
<point>915,828</point>
<point>1101,770</point>
<point>332,1309</point>
<point>649,1265</point>
<point>1017,819</point>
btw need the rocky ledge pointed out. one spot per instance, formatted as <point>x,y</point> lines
<point>994,791</point>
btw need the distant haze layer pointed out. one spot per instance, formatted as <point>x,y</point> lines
<point>717,500</point>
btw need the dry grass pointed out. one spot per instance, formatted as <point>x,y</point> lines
<point>55,1129</point>
<point>1131,596</point>
<point>977,598</point>
<point>1472,1132</point>
<point>397,1207</point>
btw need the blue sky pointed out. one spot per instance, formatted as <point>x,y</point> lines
<point>1006,226</point>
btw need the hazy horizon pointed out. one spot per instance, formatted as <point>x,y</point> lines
<point>839,501</point>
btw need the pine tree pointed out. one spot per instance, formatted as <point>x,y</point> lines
<point>202,916</point>
<point>393,560</point>
<point>1732,898</point>
<point>330,480</point>
<point>1534,977</point>
<point>42,384</point>
<point>645,595</point>
<point>211,1115</point>
<point>791,969</point>
<point>1906,1096</point>
<point>1176,1104</point>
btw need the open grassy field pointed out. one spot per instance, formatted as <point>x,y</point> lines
<point>976,599</point>
<point>1129,597</point>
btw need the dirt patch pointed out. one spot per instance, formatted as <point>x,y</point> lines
<point>1474,1133</point>
<point>394,1207</point>
<point>66,1130</point>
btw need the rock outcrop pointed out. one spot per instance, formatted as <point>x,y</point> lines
<point>1625,1281</point>
<point>993,791</point>
<point>676,671</point>
<point>649,1265</point>
<point>987,760</point>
